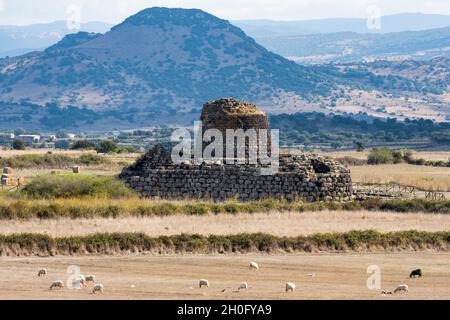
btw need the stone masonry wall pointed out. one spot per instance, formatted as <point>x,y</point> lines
<point>308,177</point>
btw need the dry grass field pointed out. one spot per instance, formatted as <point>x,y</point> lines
<point>279,224</point>
<point>337,276</point>
<point>147,276</point>
<point>5,153</point>
<point>422,177</point>
<point>426,155</point>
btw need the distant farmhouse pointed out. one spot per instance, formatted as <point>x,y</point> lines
<point>32,138</point>
<point>6,138</point>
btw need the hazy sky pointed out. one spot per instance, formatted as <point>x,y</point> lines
<point>33,11</point>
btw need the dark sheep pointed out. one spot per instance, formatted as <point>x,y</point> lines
<point>416,273</point>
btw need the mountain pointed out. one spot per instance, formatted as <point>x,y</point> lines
<point>353,47</point>
<point>159,60</point>
<point>390,23</point>
<point>17,40</point>
<point>160,65</point>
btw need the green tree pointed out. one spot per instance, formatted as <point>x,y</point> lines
<point>106,146</point>
<point>62,144</point>
<point>82,144</point>
<point>360,146</point>
<point>380,156</point>
<point>18,144</point>
<point>19,131</point>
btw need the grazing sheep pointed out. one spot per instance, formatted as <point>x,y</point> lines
<point>243,285</point>
<point>57,284</point>
<point>79,281</point>
<point>97,288</point>
<point>402,288</point>
<point>90,278</point>
<point>203,282</point>
<point>416,273</point>
<point>253,265</point>
<point>42,273</point>
<point>290,287</point>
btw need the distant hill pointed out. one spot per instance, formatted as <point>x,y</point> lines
<point>351,46</point>
<point>160,65</point>
<point>159,60</point>
<point>17,40</point>
<point>390,23</point>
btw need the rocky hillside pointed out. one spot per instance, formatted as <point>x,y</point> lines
<point>344,47</point>
<point>161,65</point>
<point>160,59</point>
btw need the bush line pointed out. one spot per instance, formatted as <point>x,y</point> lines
<point>114,243</point>
<point>52,161</point>
<point>134,207</point>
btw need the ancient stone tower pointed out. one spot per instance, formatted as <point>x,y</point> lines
<point>229,113</point>
<point>308,176</point>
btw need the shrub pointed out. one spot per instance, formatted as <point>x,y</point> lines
<point>75,185</point>
<point>82,144</point>
<point>62,144</point>
<point>106,146</point>
<point>51,161</point>
<point>380,156</point>
<point>109,243</point>
<point>18,145</point>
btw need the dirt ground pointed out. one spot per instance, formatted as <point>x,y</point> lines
<point>336,276</point>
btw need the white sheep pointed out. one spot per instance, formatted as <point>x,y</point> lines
<point>243,285</point>
<point>57,284</point>
<point>79,281</point>
<point>253,265</point>
<point>90,278</point>
<point>97,288</point>
<point>203,282</point>
<point>402,288</point>
<point>290,287</point>
<point>42,273</point>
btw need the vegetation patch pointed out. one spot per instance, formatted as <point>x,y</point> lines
<point>97,207</point>
<point>112,243</point>
<point>388,156</point>
<point>75,185</point>
<point>52,161</point>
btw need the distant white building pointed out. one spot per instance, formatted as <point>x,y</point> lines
<point>33,138</point>
<point>7,136</point>
<point>71,136</point>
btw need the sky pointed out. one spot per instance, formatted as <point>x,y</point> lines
<point>23,12</point>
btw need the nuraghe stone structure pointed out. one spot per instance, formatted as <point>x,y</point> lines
<point>307,176</point>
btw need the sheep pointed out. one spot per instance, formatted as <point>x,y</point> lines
<point>97,288</point>
<point>243,285</point>
<point>416,273</point>
<point>57,284</point>
<point>290,287</point>
<point>79,281</point>
<point>402,288</point>
<point>253,265</point>
<point>203,282</point>
<point>42,273</point>
<point>90,278</point>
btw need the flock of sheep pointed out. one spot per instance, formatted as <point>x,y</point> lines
<point>79,280</point>
<point>290,287</point>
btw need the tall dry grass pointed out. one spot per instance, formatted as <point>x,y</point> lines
<point>289,224</point>
<point>422,177</point>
